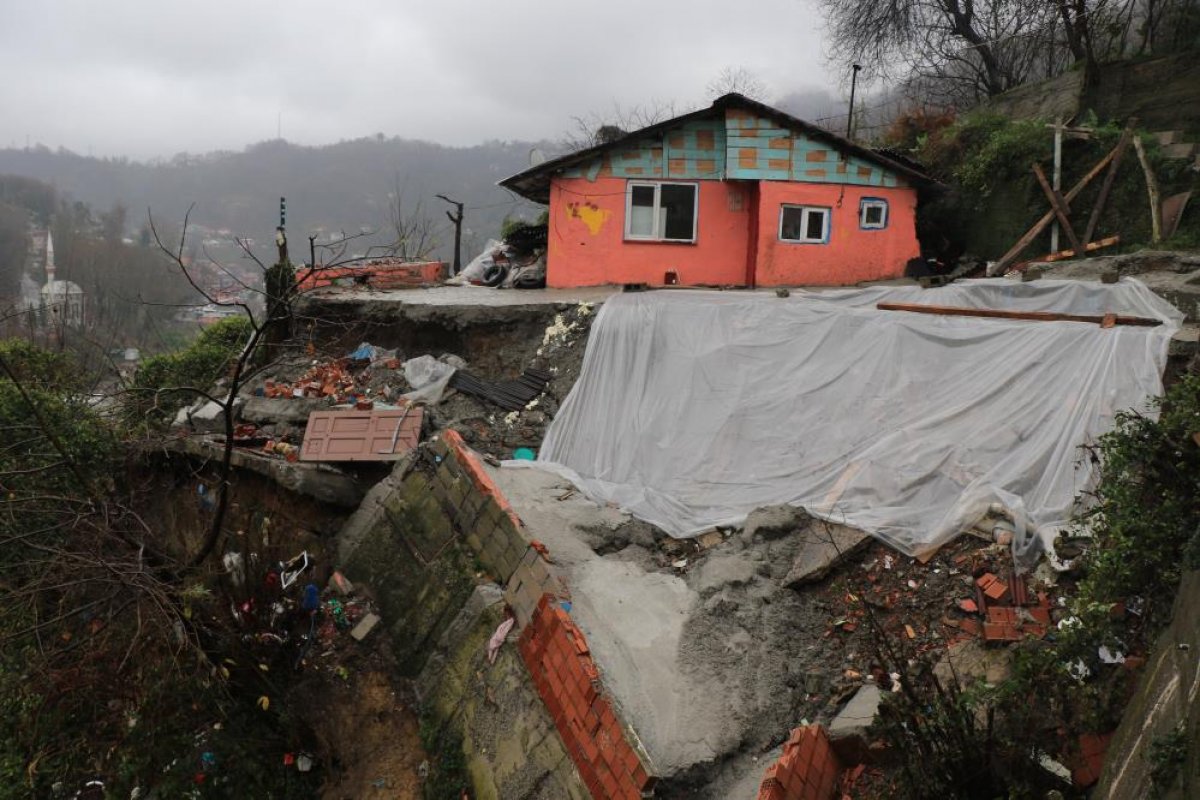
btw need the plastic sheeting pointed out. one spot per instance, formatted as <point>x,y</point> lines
<point>694,408</point>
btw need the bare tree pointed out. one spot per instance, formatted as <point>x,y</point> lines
<point>415,232</point>
<point>598,127</point>
<point>737,79</point>
<point>976,48</point>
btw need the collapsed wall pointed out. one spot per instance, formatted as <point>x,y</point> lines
<point>435,541</point>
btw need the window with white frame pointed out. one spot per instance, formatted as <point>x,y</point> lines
<point>660,212</point>
<point>804,224</point>
<point>872,213</point>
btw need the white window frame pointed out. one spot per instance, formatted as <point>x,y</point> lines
<point>872,202</point>
<point>657,186</point>
<point>825,229</point>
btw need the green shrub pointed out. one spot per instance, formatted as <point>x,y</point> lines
<point>199,365</point>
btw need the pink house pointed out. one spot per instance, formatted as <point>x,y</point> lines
<point>737,194</point>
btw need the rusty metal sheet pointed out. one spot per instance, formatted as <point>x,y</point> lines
<point>1172,213</point>
<point>361,435</point>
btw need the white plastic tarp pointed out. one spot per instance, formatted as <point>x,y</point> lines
<point>694,408</point>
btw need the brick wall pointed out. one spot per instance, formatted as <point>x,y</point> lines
<point>380,274</point>
<point>557,656</point>
<point>807,770</point>
<point>553,649</point>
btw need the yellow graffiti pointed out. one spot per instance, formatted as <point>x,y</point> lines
<point>590,215</point>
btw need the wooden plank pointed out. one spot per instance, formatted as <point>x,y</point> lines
<point>1106,187</point>
<point>1061,209</point>
<point>1088,248</point>
<point>1031,316</point>
<point>1041,224</point>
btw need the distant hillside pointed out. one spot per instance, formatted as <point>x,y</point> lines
<point>342,186</point>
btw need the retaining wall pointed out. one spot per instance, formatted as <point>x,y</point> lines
<point>418,540</point>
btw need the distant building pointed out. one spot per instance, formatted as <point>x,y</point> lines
<point>57,304</point>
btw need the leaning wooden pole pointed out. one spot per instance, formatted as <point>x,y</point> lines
<point>1151,189</point>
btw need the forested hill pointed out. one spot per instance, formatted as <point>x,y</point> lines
<point>343,186</point>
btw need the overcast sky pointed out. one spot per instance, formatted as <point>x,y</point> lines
<point>152,78</point>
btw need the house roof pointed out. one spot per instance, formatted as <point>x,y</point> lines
<point>534,183</point>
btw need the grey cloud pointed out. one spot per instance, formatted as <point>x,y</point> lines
<point>150,79</point>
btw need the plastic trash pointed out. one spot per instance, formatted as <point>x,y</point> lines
<point>364,352</point>
<point>312,598</point>
<point>428,378</point>
<point>524,454</point>
<point>473,272</point>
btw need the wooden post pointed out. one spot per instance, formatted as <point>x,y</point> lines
<point>1058,137</point>
<point>1151,189</point>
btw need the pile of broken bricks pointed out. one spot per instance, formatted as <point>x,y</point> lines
<point>1009,612</point>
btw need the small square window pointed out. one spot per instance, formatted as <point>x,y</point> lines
<point>804,224</point>
<point>661,212</point>
<point>872,214</point>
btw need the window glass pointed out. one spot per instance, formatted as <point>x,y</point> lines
<point>790,224</point>
<point>804,224</point>
<point>679,210</point>
<point>814,229</point>
<point>641,211</point>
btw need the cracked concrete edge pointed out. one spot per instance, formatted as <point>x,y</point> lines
<point>319,482</point>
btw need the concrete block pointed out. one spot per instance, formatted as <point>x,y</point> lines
<point>364,627</point>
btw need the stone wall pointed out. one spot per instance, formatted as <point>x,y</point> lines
<point>1167,698</point>
<point>1163,93</point>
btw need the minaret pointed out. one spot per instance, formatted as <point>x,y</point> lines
<point>49,258</point>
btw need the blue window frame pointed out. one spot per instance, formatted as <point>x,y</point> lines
<point>872,214</point>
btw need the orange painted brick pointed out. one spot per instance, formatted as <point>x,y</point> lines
<point>639,776</point>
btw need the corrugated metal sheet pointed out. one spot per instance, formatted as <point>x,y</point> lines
<point>361,435</point>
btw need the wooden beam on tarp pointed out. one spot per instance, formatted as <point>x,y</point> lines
<point>1106,320</point>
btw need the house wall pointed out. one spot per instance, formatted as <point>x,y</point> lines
<point>587,244</point>
<point>756,148</point>
<point>851,255</point>
<point>746,166</point>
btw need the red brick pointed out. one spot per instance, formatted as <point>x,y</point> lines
<point>608,781</point>
<point>996,591</point>
<point>631,759</point>
<point>639,776</point>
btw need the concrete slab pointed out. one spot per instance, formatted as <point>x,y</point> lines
<point>470,295</point>
<point>825,546</point>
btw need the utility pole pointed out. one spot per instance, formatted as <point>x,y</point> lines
<point>457,219</point>
<point>853,86</point>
